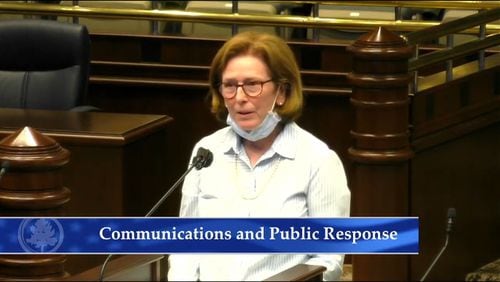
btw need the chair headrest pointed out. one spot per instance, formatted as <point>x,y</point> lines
<point>36,45</point>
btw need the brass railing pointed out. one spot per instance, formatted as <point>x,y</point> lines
<point>452,52</point>
<point>276,20</point>
<point>455,52</point>
<point>415,4</point>
<point>454,26</point>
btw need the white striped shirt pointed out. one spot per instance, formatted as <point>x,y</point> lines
<point>299,176</point>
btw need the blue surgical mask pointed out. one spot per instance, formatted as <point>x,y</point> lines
<point>262,131</point>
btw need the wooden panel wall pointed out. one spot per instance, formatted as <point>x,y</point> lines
<point>456,132</point>
<point>461,173</point>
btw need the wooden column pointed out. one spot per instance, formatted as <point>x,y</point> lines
<point>31,187</point>
<point>380,152</point>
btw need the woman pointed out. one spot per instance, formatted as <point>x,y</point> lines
<point>264,164</point>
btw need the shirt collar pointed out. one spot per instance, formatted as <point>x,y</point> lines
<point>286,142</point>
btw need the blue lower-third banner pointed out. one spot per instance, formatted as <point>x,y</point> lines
<point>134,235</point>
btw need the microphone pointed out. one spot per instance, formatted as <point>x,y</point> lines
<point>452,213</point>
<point>5,166</point>
<point>202,159</point>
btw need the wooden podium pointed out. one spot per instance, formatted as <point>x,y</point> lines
<point>126,268</point>
<point>118,162</point>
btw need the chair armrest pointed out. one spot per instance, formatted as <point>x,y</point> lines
<point>300,272</point>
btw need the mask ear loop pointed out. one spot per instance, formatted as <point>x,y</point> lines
<point>275,99</point>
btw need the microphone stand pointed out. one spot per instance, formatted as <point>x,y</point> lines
<point>153,209</point>
<point>165,196</point>
<point>436,258</point>
<point>202,159</point>
<point>449,228</point>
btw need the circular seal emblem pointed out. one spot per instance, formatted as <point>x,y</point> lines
<point>40,235</point>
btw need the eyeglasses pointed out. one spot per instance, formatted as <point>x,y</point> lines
<point>251,88</point>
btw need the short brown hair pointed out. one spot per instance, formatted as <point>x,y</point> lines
<point>278,57</point>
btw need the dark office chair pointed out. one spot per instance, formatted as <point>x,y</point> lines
<point>44,65</point>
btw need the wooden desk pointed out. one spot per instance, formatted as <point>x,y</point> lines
<point>118,163</point>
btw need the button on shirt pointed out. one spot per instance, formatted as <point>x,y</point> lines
<point>299,176</point>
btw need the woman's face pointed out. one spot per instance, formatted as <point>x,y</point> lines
<point>249,112</point>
